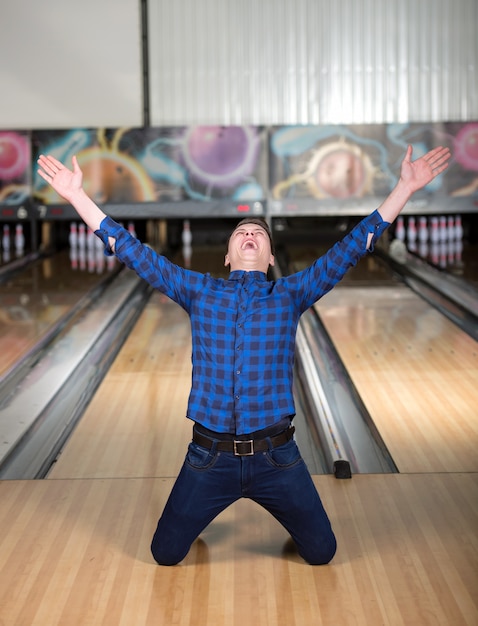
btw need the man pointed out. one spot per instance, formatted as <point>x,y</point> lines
<point>243,337</point>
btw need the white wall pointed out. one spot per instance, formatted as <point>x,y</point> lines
<point>78,63</point>
<point>313,61</point>
<point>70,63</point>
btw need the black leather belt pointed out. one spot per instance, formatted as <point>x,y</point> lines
<point>247,447</point>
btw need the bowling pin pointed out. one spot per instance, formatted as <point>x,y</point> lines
<point>442,229</point>
<point>131,229</point>
<point>73,236</point>
<point>82,237</point>
<point>450,228</point>
<point>458,228</point>
<point>400,229</point>
<point>6,238</point>
<point>82,258</point>
<point>19,240</point>
<point>434,232</point>
<point>412,234</point>
<point>186,235</point>
<point>422,229</point>
<point>74,257</point>
<point>90,239</point>
<point>423,249</point>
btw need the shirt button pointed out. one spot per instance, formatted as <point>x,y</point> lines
<point>236,397</point>
<point>238,372</point>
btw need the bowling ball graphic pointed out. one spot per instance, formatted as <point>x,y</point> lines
<point>114,177</point>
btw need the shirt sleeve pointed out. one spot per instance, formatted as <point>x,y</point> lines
<point>318,279</point>
<point>176,282</point>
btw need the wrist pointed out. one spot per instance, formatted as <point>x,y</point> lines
<point>78,196</point>
<point>404,190</point>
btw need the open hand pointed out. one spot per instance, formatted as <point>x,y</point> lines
<point>64,181</point>
<point>417,174</point>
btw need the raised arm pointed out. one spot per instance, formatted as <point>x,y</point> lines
<point>68,184</point>
<point>413,176</point>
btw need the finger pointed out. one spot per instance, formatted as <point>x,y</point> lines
<point>436,153</point>
<point>439,169</point>
<point>50,164</point>
<point>76,167</point>
<point>54,162</point>
<point>44,176</point>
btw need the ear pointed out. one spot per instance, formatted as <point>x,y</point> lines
<point>272,260</point>
<point>226,260</point>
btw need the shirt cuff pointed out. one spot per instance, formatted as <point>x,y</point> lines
<point>375,225</point>
<point>108,228</point>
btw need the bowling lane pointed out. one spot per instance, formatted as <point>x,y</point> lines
<point>135,425</point>
<point>415,371</point>
<point>35,298</point>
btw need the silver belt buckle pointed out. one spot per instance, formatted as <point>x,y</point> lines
<point>251,450</point>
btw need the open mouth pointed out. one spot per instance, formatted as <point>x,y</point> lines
<point>249,245</point>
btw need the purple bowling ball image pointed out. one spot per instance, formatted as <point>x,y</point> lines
<point>220,156</point>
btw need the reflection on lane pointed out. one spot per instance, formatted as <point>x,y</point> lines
<point>36,298</point>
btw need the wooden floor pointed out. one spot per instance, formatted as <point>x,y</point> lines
<point>77,552</point>
<point>75,547</point>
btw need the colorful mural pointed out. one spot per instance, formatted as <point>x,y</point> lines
<point>200,163</point>
<point>239,163</point>
<point>15,167</point>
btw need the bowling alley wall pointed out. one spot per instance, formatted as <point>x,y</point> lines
<point>277,107</point>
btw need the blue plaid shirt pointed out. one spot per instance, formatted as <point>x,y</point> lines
<point>243,328</point>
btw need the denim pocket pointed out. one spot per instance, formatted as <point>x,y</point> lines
<point>286,455</point>
<point>198,457</point>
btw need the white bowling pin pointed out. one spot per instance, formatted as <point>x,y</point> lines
<point>400,229</point>
<point>6,238</point>
<point>458,228</point>
<point>73,236</point>
<point>186,236</point>
<point>434,232</point>
<point>442,228</point>
<point>82,236</point>
<point>422,229</point>
<point>19,239</point>
<point>450,228</point>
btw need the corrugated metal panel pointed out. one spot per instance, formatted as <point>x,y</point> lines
<point>312,61</point>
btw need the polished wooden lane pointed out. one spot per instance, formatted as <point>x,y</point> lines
<point>76,552</point>
<point>135,425</point>
<point>416,372</point>
<point>34,299</point>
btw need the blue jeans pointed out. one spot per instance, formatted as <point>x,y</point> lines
<point>210,481</point>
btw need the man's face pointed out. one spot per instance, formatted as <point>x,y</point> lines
<point>249,249</point>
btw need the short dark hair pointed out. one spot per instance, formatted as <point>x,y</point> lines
<point>259,221</point>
